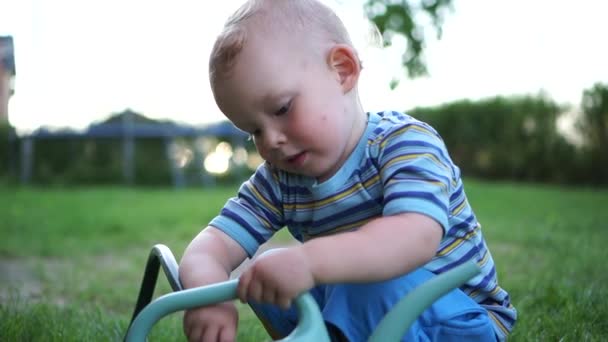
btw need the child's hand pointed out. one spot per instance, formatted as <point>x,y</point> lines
<point>276,277</point>
<point>211,323</point>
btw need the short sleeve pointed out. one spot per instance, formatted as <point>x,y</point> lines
<point>255,214</point>
<point>416,172</point>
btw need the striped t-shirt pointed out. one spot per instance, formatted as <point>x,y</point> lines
<point>399,165</point>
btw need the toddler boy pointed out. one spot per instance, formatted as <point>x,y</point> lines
<point>374,197</point>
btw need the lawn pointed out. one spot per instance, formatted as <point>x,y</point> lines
<point>71,260</point>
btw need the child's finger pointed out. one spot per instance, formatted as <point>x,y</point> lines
<point>210,334</point>
<point>195,334</point>
<point>269,295</point>
<point>227,335</point>
<point>243,286</point>
<point>191,329</point>
<point>254,291</point>
<point>284,302</point>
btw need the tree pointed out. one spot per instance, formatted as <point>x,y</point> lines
<point>401,18</point>
<point>594,123</point>
<point>593,126</point>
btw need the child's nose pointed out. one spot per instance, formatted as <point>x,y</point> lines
<point>274,138</point>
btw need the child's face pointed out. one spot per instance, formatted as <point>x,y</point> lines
<point>292,103</point>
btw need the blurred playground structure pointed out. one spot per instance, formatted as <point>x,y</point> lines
<point>128,146</point>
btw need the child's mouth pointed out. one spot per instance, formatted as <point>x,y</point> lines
<point>297,160</point>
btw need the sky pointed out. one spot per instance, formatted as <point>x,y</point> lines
<point>80,61</point>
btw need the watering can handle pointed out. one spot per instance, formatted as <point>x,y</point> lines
<point>311,326</point>
<point>398,320</point>
<point>310,323</point>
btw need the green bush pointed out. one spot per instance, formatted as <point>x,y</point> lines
<point>593,127</point>
<point>503,138</point>
<point>7,151</point>
<point>507,138</point>
<point>98,161</point>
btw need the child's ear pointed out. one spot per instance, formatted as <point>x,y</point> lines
<point>344,62</point>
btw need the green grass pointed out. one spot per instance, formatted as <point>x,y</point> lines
<point>71,260</point>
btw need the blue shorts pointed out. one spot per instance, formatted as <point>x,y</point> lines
<point>356,309</point>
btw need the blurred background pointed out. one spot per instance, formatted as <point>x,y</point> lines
<point>116,92</point>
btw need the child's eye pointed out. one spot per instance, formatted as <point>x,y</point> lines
<point>283,110</point>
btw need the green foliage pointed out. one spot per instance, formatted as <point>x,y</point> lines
<point>84,251</point>
<point>95,162</point>
<point>399,18</point>
<point>87,161</point>
<point>98,161</point>
<point>593,126</point>
<point>7,150</point>
<point>506,138</point>
<point>151,163</point>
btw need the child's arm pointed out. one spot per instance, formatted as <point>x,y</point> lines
<point>210,258</point>
<point>381,249</point>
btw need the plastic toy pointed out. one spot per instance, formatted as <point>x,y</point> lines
<point>310,325</point>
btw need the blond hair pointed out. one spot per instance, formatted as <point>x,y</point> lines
<point>310,16</point>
